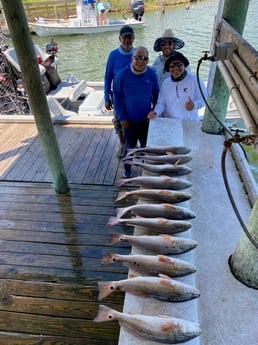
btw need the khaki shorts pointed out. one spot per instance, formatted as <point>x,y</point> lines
<point>117,124</point>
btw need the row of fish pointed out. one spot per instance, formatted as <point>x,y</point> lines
<point>153,274</point>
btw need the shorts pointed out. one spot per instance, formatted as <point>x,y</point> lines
<point>117,124</point>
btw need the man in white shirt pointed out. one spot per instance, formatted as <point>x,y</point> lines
<point>179,95</point>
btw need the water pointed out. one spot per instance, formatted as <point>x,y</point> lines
<point>85,55</point>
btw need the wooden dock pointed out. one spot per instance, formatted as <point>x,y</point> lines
<point>51,246</point>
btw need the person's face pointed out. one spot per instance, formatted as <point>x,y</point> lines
<point>126,42</point>
<point>167,47</point>
<point>140,60</point>
<point>176,68</point>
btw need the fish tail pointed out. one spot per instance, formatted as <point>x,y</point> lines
<point>130,152</point>
<point>120,182</point>
<point>121,196</point>
<point>114,238</point>
<point>120,212</point>
<point>107,258</point>
<point>112,221</point>
<point>105,289</point>
<point>104,314</point>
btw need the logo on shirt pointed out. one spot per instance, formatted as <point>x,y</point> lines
<point>186,89</point>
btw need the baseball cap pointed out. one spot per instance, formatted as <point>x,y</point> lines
<point>126,30</point>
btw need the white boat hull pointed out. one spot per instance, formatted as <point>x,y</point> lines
<point>61,29</point>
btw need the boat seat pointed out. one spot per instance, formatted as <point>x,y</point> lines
<point>65,90</point>
<point>11,56</point>
<point>93,103</point>
<point>56,109</point>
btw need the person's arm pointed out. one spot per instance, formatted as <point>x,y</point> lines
<point>118,96</point>
<point>108,81</point>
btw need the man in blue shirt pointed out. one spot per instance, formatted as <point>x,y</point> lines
<point>136,92</point>
<point>117,60</point>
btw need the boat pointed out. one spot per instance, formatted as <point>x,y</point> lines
<point>87,21</point>
<point>71,98</point>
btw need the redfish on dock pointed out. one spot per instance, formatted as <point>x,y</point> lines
<point>168,158</point>
<point>162,329</point>
<point>157,182</point>
<point>158,224</point>
<point>168,211</point>
<point>160,150</point>
<point>161,244</point>
<point>152,264</point>
<point>161,195</point>
<point>162,169</point>
<point>162,288</point>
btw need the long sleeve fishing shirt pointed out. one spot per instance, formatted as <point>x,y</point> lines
<point>135,95</point>
<point>117,60</point>
<point>174,95</point>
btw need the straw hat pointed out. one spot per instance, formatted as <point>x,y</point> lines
<point>168,35</point>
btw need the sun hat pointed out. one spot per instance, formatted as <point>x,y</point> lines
<point>176,56</point>
<point>168,35</point>
<point>126,30</point>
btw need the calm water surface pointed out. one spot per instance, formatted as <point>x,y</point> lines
<point>85,55</point>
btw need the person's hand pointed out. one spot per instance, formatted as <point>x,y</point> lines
<point>108,105</point>
<point>152,115</point>
<point>124,124</point>
<point>189,105</point>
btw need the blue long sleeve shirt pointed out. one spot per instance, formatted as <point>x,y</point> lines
<point>117,60</point>
<point>135,95</point>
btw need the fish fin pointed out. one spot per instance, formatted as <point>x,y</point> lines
<point>121,196</point>
<point>169,206</point>
<point>165,282</point>
<point>120,212</point>
<point>170,153</point>
<point>112,221</point>
<point>163,258</point>
<point>105,289</point>
<point>132,275</point>
<point>170,239</point>
<point>164,192</point>
<point>104,314</point>
<point>162,220</point>
<point>107,259</point>
<point>114,238</point>
<point>170,325</point>
<point>164,276</point>
<point>130,152</point>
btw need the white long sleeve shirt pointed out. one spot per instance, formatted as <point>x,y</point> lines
<point>173,96</point>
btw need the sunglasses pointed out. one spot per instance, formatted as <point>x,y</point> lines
<point>177,64</point>
<point>139,57</point>
<point>166,43</point>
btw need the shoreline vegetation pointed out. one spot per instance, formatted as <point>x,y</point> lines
<point>66,9</point>
<point>116,5</point>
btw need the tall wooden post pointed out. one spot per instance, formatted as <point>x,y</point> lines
<point>234,12</point>
<point>244,261</point>
<point>21,37</point>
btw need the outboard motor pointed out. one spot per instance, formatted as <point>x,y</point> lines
<point>137,9</point>
<point>52,48</point>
